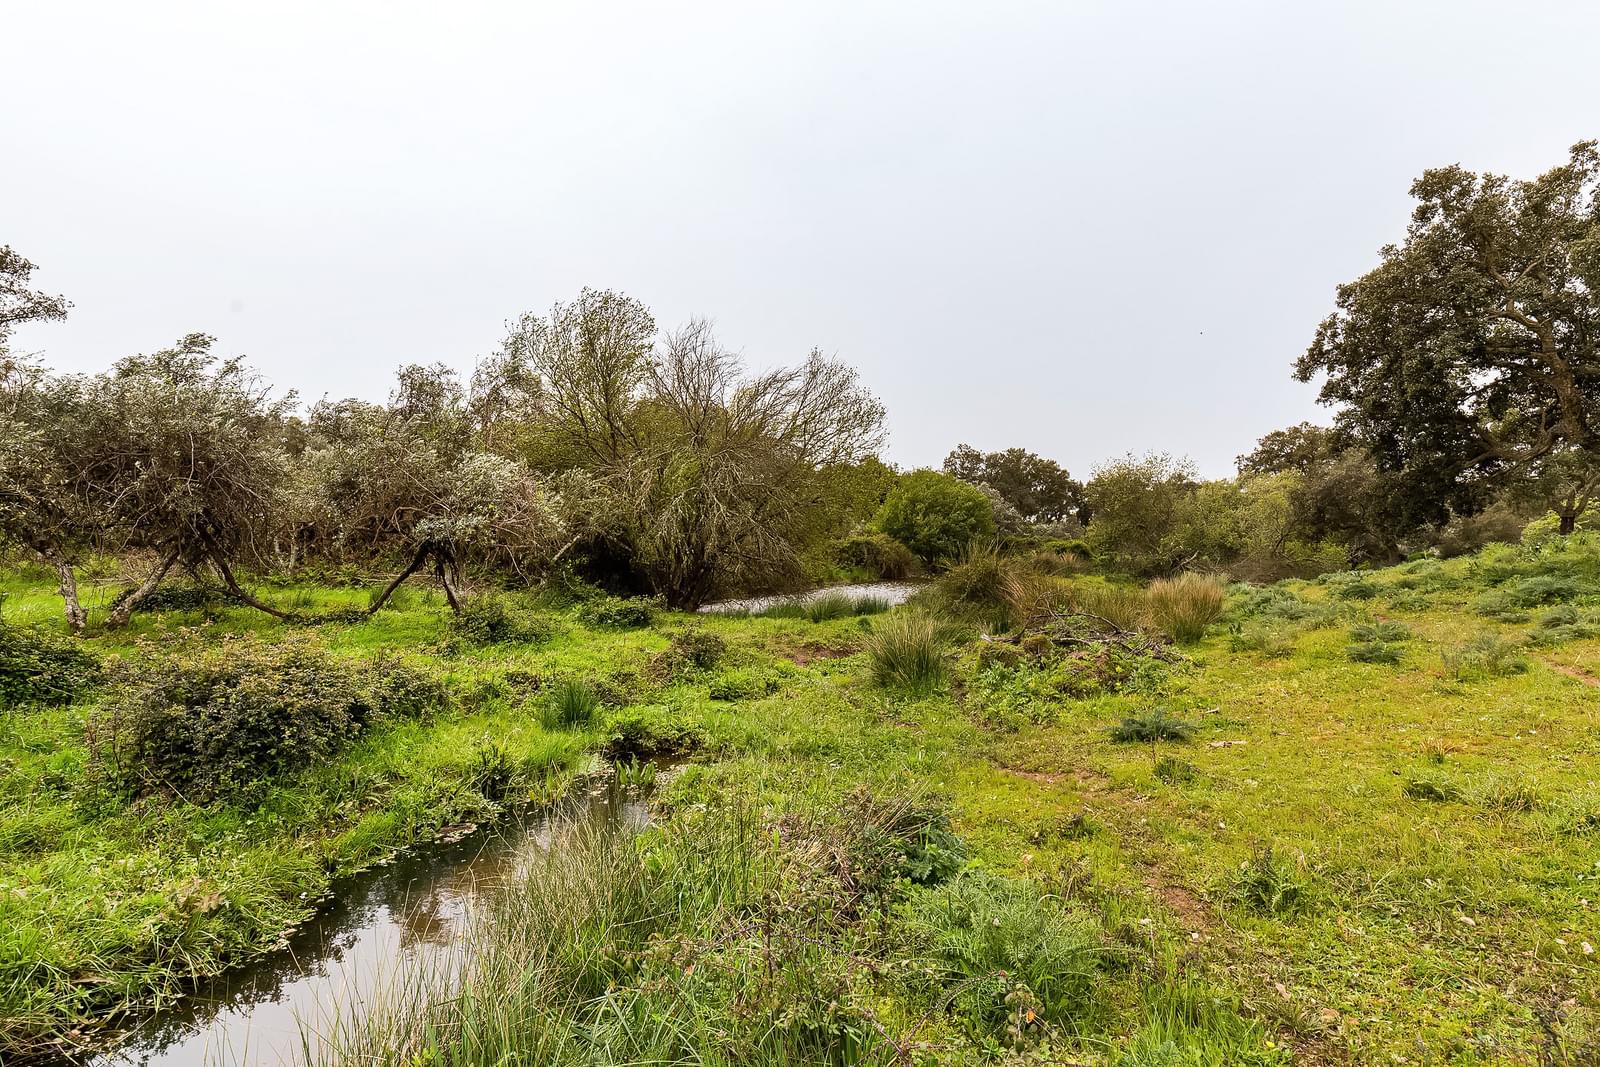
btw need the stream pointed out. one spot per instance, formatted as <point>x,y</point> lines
<point>404,918</point>
<point>893,593</point>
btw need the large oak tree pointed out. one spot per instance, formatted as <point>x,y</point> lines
<point>1473,350</point>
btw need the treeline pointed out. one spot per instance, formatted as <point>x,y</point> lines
<point>1464,371</point>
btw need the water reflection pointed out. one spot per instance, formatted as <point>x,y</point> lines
<point>401,921</point>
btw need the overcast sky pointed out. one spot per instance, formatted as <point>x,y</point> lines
<point>1085,228</point>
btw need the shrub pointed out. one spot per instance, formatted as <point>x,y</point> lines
<point>826,607</point>
<point>37,667</point>
<point>694,647</point>
<point>1352,585</point>
<point>1373,652</point>
<point>1184,606</point>
<point>619,613</point>
<point>1500,605</point>
<point>1541,589</point>
<point>1486,656</point>
<point>1272,641</point>
<point>490,620</point>
<point>1154,725</point>
<point>213,723</point>
<point>906,651</point>
<point>180,596</point>
<point>1270,884</point>
<point>570,702</point>
<point>876,553</point>
<point>936,516</point>
<point>741,685</point>
<point>651,731</point>
<point>1072,548</point>
<point>1009,954</point>
<point>1382,630</point>
<point>1563,623</point>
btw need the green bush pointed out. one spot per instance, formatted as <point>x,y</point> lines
<point>1563,623</point>
<point>1381,630</point>
<point>619,613</point>
<point>180,596</point>
<point>877,554</point>
<point>697,648</point>
<point>37,667</point>
<point>490,620</point>
<point>207,724</point>
<point>651,731</point>
<point>1184,606</point>
<point>936,516</point>
<point>906,652</point>
<point>1156,724</point>
<point>1373,652</point>
<point>1486,656</point>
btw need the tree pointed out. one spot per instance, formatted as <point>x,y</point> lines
<point>18,303</point>
<point>1039,489</point>
<point>1144,513</point>
<point>403,477</point>
<point>703,477</point>
<point>181,452</point>
<point>936,515</point>
<point>1473,349</point>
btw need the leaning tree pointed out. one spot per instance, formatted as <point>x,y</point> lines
<point>1472,351</point>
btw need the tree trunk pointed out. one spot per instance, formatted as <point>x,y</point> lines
<point>77,618</point>
<point>124,611</point>
<point>411,568</point>
<point>1569,521</point>
<point>233,586</point>
<point>440,556</point>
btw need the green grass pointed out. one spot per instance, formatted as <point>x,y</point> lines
<point>1351,862</point>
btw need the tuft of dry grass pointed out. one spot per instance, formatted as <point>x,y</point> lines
<point>1121,606</point>
<point>1184,606</point>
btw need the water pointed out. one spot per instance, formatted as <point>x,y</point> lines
<point>404,919</point>
<point>892,592</point>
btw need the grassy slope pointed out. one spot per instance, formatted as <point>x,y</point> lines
<point>1435,931</point>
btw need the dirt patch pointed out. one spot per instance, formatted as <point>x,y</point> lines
<point>1577,674</point>
<point>808,654</point>
<point>1189,909</point>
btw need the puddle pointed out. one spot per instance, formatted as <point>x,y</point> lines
<point>894,593</point>
<point>404,919</point>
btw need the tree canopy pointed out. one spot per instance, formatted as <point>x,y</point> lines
<point>1473,348</point>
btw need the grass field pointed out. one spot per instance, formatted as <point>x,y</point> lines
<point>1378,843</point>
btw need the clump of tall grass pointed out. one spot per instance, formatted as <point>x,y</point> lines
<point>1184,606</point>
<point>1486,656</point>
<point>1270,884</point>
<point>906,652</point>
<point>1121,606</point>
<point>570,702</point>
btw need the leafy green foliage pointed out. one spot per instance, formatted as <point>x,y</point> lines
<point>620,613</point>
<point>491,620</point>
<point>39,667</point>
<point>876,554</point>
<point>1156,724</point>
<point>936,516</point>
<point>211,723</point>
<point>1270,884</point>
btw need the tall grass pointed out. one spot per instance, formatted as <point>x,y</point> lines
<point>1184,606</point>
<point>1121,606</point>
<point>570,702</point>
<point>825,607</point>
<point>906,651</point>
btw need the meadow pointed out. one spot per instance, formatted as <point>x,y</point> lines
<point>1353,819</point>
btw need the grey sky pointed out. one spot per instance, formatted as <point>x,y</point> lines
<point>1085,228</point>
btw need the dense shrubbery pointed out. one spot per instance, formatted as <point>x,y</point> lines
<point>489,620</point>
<point>877,554</point>
<point>936,516</point>
<point>206,724</point>
<point>619,613</point>
<point>38,667</point>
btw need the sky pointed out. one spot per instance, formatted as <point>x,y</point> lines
<point>1084,228</point>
